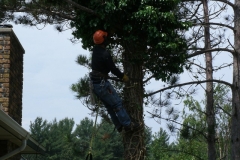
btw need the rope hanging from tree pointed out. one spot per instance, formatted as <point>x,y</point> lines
<point>92,138</point>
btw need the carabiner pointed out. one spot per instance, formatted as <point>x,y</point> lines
<point>102,83</point>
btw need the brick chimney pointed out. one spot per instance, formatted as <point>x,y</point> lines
<point>11,81</point>
<point>11,73</point>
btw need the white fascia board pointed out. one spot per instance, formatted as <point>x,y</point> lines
<point>8,121</point>
<point>19,132</point>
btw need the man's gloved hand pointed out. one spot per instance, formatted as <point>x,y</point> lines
<point>125,78</point>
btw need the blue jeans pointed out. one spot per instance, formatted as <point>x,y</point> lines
<point>113,103</point>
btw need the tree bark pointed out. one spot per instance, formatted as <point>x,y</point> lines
<point>235,128</point>
<point>134,141</point>
<point>209,88</point>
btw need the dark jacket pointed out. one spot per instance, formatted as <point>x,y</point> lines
<point>102,62</point>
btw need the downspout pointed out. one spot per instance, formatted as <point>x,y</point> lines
<point>16,151</point>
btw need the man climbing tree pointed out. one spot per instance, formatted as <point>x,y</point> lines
<point>102,64</point>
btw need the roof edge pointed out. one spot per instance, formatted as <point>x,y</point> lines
<point>21,131</point>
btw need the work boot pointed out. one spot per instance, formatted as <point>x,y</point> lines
<point>119,129</point>
<point>132,126</point>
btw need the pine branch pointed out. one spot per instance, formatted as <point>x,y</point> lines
<point>188,153</point>
<point>211,23</point>
<point>210,50</point>
<point>226,2</point>
<point>85,9</point>
<point>223,1</point>
<point>189,83</point>
<point>174,121</point>
<point>223,110</point>
<point>28,10</point>
<point>148,79</point>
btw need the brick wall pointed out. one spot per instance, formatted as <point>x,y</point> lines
<point>11,81</point>
<point>11,74</point>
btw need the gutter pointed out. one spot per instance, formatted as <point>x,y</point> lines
<point>13,128</point>
<point>16,151</point>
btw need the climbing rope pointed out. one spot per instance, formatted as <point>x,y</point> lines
<point>93,102</point>
<point>92,138</point>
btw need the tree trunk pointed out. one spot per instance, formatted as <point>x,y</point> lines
<point>235,130</point>
<point>134,142</point>
<point>209,88</point>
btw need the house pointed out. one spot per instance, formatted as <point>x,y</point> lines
<point>14,140</point>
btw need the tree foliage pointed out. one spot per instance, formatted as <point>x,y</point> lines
<point>160,147</point>
<point>64,141</point>
<point>191,142</point>
<point>193,132</point>
<point>152,27</point>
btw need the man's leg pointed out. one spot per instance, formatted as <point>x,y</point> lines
<point>114,118</point>
<point>122,115</point>
<point>113,102</point>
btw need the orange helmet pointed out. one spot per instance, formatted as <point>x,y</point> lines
<point>98,36</point>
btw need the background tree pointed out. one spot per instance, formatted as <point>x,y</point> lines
<point>219,43</point>
<point>216,45</point>
<point>62,141</point>
<point>209,85</point>
<point>55,136</point>
<point>160,147</point>
<point>192,139</point>
<point>193,133</point>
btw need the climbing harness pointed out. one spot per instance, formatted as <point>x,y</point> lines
<point>98,75</point>
<point>92,97</point>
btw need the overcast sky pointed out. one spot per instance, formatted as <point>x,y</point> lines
<point>49,70</point>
